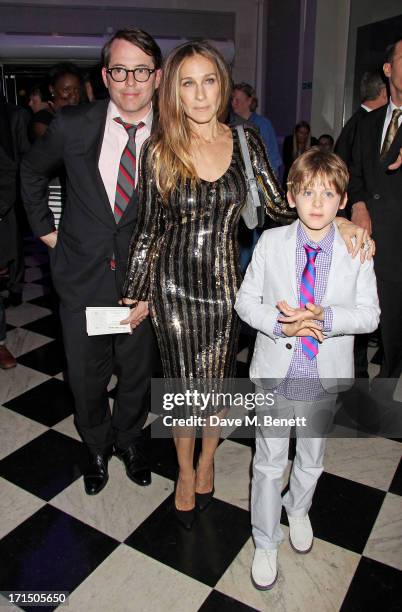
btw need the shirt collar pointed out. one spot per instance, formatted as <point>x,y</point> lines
<point>325,244</point>
<point>113,112</point>
<point>366,108</point>
<point>392,106</point>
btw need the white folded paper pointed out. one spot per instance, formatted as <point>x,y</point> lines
<point>106,320</point>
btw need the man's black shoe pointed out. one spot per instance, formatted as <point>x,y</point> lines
<point>137,467</point>
<point>96,474</point>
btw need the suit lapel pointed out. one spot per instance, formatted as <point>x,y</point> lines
<point>94,137</point>
<point>289,254</point>
<point>378,128</point>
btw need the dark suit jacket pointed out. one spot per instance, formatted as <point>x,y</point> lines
<point>9,138</point>
<point>344,144</point>
<point>381,190</point>
<point>8,181</point>
<point>88,234</point>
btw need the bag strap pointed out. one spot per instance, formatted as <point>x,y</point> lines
<point>252,183</point>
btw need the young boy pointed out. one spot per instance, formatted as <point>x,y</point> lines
<point>307,298</point>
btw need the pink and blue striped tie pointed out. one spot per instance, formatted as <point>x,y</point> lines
<point>309,344</point>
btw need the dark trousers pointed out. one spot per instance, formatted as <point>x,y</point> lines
<point>17,268</point>
<point>390,296</point>
<point>91,361</point>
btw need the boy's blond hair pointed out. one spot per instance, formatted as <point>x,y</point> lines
<point>318,164</point>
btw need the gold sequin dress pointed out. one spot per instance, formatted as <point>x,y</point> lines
<point>184,260</point>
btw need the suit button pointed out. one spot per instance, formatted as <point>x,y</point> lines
<point>376,196</point>
<point>288,345</point>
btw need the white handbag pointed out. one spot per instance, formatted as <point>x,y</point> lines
<point>253,212</point>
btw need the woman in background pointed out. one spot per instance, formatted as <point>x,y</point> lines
<point>295,144</point>
<point>64,89</point>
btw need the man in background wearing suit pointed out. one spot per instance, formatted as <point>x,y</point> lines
<point>375,193</point>
<point>99,144</point>
<point>373,95</point>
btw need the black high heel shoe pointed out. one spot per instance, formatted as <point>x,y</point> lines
<point>202,500</point>
<point>185,518</point>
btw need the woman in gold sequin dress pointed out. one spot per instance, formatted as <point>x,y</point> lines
<point>184,256</point>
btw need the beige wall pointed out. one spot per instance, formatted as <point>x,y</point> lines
<point>330,54</point>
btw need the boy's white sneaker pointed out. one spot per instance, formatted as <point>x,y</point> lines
<point>264,570</point>
<point>300,534</point>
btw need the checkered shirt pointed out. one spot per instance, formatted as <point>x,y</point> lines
<point>302,381</point>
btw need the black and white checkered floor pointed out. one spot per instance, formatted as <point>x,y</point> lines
<point>122,550</point>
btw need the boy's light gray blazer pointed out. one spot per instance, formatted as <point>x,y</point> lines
<point>271,276</point>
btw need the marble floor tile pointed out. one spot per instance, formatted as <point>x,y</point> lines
<point>236,412</point>
<point>373,370</point>
<point>122,505</point>
<point>317,581</point>
<point>16,505</point>
<point>128,580</point>
<point>32,274</point>
<point>150,419</point>
<point>36,259</point>
<point>34,290</point>
<point>67,427</point>
<point>18,380</point>
<point>233,473</point>
<point>20,341</point>
<point>112,382</point>
<point>398,391</point>
<point>25,313</point>
<point>370,461</point>
<point>16,430</point>
<point>242,356</point>
<point>385,541</point>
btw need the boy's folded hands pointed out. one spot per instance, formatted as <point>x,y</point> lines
<point>301,321</point>
<point>291,315</point>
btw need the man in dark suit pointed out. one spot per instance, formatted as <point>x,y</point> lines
<point>8,179</point>
<point>99,144</point>
<point>373,95</point>
<point>375,193</point>
<point>14,129</point>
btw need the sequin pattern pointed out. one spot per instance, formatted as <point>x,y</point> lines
<point>184,261</point>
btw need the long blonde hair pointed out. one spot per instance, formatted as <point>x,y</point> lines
<point>171,143</point>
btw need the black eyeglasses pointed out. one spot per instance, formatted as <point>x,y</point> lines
<point>120,74</point>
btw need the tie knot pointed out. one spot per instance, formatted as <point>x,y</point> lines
<point>311,252</point>
<point>130,128</point>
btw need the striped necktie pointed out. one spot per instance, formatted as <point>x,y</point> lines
<point>391,131</point>
<point>126,177</point>
<point>309,344</point>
